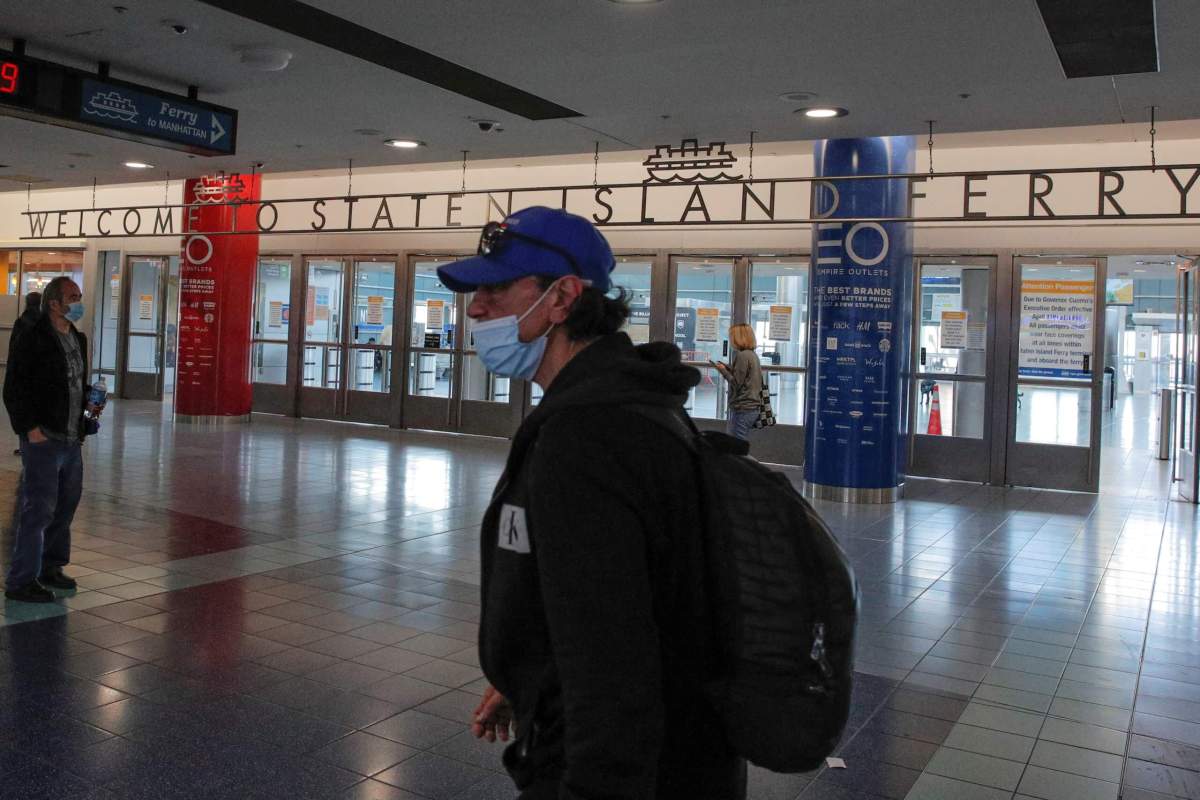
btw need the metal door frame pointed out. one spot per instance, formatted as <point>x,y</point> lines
<point>274,398</point>
<point>424,412</point>
<point>953,457</point>
<point>342,403</point>
<point>781,444</point>
<point>1186,469</point>
<point>124,333</point>
<point>1021,458</point>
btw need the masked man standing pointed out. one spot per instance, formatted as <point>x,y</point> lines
<point>45,390</point>
<point>591,547</point>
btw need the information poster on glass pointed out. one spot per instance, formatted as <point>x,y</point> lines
<point>707,327</point>
<point>275,314</point>
<point>374,309</point>
<point>1057,319</point>
<point>146,306</point>
<point>780,329</point>
<point>435,315</point>
<point>954,330</point>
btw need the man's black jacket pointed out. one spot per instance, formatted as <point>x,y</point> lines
<point>35,380</point>
<point>591,563</point>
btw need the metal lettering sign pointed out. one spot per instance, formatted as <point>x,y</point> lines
<point>686,186</point>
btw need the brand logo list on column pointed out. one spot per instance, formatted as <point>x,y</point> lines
<point>215,297</point>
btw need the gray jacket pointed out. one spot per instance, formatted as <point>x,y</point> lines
<point>745,381</point>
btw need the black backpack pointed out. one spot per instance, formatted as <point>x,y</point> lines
<point>783,602</point>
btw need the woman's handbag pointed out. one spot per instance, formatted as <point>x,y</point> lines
<point>766,417</point>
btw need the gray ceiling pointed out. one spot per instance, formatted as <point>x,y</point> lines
<point>641,75</point>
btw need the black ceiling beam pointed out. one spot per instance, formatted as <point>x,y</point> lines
<point>329,30</point>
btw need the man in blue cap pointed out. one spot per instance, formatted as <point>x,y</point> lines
<point>590,634</point>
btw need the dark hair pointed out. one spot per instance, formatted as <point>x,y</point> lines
<point>54,291</point>
<point>595,313</point>
<point>33,301</point>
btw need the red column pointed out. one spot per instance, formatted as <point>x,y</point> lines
<point>216,296</point>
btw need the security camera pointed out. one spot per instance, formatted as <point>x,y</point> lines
<point>488,125</point>
<point>178,28</point>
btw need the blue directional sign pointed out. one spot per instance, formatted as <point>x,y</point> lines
<point>116,106</point>
<point>43,91</point>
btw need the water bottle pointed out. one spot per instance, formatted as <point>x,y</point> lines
<point>97,397</point>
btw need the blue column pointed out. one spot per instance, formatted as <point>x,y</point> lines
<point>860,323</point>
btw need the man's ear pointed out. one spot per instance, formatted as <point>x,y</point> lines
<point>562,300</point>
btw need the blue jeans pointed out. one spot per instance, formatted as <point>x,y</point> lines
<point>739,423</point>
<point>51,485</point>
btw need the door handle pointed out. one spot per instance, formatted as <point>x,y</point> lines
<point>356,332</point>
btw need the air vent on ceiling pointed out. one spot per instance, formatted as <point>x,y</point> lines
<point>1102,37</point>
<point>23,179</point>
<point>337,33</point>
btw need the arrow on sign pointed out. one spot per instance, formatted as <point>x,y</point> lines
<point>217,130</point>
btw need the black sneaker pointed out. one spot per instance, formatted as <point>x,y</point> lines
<point>32,592</point>
<point>57,579</point>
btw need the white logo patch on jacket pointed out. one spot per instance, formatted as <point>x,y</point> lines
<point>514,533</point>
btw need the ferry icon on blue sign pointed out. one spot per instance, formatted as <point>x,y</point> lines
<point>112,105</point>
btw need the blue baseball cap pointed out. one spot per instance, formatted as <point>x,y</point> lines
<point>534,241</point>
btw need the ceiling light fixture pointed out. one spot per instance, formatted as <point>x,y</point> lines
<point>403,144</point>
<point>265,59</point>
<point>138,165</point>
<point>822,112</point>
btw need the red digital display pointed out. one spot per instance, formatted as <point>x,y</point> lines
<point>10,77</point>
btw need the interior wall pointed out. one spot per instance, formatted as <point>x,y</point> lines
<point>1097,237</point>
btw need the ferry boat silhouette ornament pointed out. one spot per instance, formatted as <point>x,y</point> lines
<point>690,163</point>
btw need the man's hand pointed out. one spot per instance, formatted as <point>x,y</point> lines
<point>36,436</point>
<point>493,717</point>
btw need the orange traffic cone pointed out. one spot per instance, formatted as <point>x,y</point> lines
<point>935,413</point>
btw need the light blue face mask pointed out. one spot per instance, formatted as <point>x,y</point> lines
<point>74,312</point>
<point>498,343</point>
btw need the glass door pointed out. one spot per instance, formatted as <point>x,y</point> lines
<point>1187,460</point>
<point>779,316</point>
<point>951,381</point>
<point>1055,378</point>
<point>106,323</point>
<point>270,377</point>
<point>322,350</point>
<point>447,387</point>
<point>369,340</point>
<point>346,351</point>
<point>702,293</point>
<point>143,311</point>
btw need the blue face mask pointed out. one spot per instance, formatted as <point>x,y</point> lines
<point>498,343</point>
<point>74,312</point>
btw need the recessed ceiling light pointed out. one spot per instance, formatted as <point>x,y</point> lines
<point>138,165</point>
<point>798,97</point>
<point>404,144</point>
<point>822,112</point>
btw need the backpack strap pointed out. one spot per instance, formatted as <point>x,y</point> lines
<point>675,422</point>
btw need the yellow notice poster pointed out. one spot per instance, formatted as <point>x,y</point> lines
<point>707,326</point>
<point>780,327</point>
<point>374,309</point>
<point>435,315</point>
<point>954,330</point>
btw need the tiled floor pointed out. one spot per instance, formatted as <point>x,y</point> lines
<point>288,609</point>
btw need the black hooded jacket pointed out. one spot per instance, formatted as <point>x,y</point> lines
<point>590,555</point>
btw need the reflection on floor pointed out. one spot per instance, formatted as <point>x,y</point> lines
<point>288,609</point>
